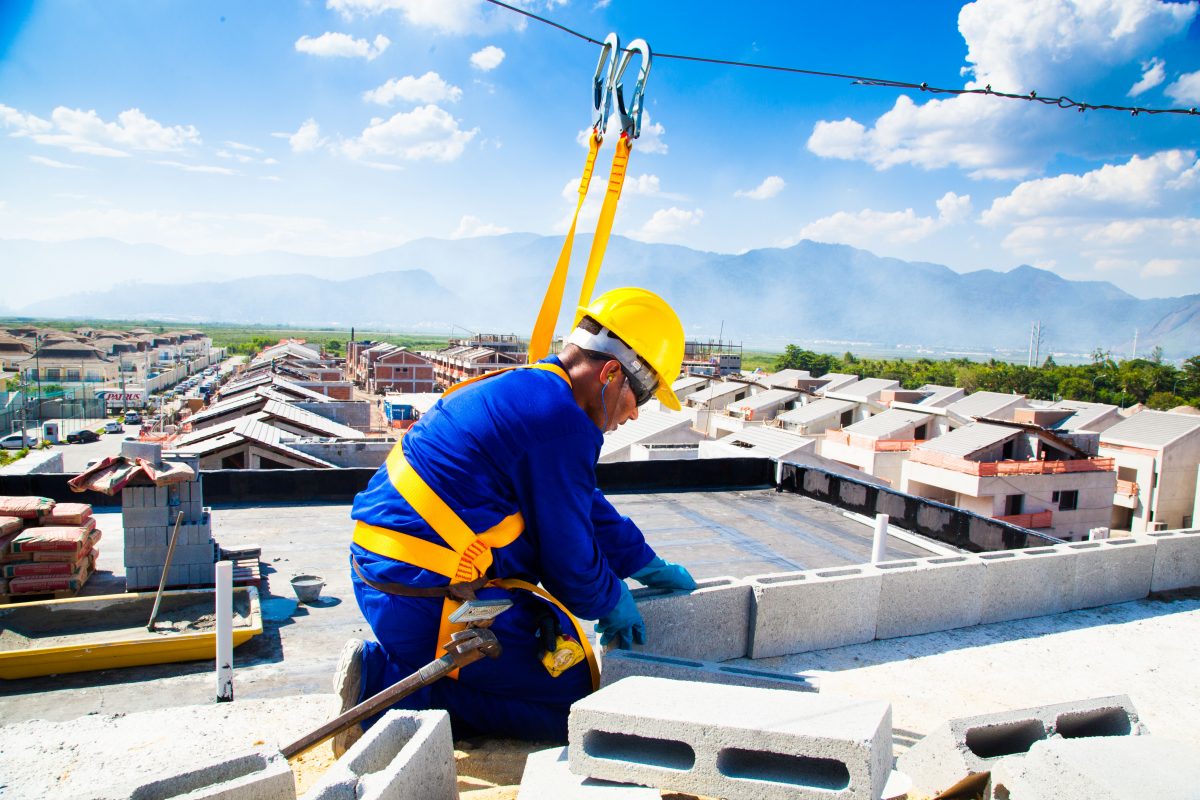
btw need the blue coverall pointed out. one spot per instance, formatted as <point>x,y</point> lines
<point>515,441</point>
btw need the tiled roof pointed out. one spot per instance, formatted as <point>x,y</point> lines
<point>1085,414</point>
<point>765,399</point>
<point>308,420</point>
<point>716,390</point>
<point>861,390</point>
<point>970,439</point>
<point>983,404</point>
<point>769,442</point>
<point>938,396</point>
<point>883,425</point>
<point>818,409</point>
<point>650,422</point>
<point>1151,429</point>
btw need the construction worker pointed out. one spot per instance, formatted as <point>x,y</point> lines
<point>495,487</point>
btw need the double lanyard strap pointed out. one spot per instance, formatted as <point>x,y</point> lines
<point>543,329</point>
<point>467,556</point>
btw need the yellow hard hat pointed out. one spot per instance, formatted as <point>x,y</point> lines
<point>645,322</point>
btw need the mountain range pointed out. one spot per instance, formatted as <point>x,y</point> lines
<point>810,292</point>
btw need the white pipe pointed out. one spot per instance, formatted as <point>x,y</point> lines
<point>879,545</point>
<point>224,631</point>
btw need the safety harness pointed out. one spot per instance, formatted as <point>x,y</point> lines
<point>466,557</point>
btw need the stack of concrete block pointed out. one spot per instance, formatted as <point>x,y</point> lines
<point>733,742</point>
<point>925,595</point>
<point>710,622</point>
<point>973,745</point>
<point>1176,560</point>
<point>404,754</point>
<point>149,513</point>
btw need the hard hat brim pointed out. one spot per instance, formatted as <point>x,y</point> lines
<point>666,396</point>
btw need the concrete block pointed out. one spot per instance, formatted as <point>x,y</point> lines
<point>712,622</point>
<point>144,517</point>
<point>1101,769</point>
<point>251,776</point>
<point>147,577</point>
<point>404,754</point>
<point>932,594</point>
<point>548,776</point>
<point>1176,560</point>
<point>195,532</point>
<point>161,495</point>
<point>619,664</point>
<point>135,537</point>
<point>150,451</point>
<point>795,612</point>
<point>131,497</point>
<point>1019,584</point>
<point>1112,571</point>
<point>967,745</point>
<point>732,741</point>
<point>202,573</point>
<point>157,556</point>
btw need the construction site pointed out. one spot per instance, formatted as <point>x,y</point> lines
<point>966,658</point>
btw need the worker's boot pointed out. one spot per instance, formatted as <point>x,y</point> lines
<point>347,685</point>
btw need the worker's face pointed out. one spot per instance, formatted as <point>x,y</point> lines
<point>618,398</point>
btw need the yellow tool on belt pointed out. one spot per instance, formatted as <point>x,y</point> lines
<point>603,89</point>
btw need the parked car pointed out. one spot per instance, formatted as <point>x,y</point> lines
<point>112,426</point>
<point>85,435</point>
<point>15,441</point>
<point>132,418</point>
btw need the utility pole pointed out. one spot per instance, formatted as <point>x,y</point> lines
<point>1135,337</point>
<point>1037,344</point>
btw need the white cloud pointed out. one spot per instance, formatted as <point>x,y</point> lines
<point>1161,268</point>
<point>867,228</point>
<point>666,223</point>
<point>1140,183</point>
<point>342,45</point>
<point>205,168</point>
<point>85,132</point>
<point>650,140</point>
<point>771,186</point>
<point>429,88</point>
<point>244,147</point>
<point>454,17</point>
<point>427,132</point>
<point>646,184</point>
<point>1186,89</point>
<point>1153,73</point>
<point>1067,47</point>
<point>469,227</point>
<point>50,162</point>
<point>307,138</point>
<point>488,58</point>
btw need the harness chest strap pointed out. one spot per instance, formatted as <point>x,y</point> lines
<point>468,556</point>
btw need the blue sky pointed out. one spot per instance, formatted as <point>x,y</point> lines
<point>349,126</point>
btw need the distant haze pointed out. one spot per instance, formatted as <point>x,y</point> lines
<point>764,297</point>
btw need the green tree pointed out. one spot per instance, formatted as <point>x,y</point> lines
<point>1164,401</point>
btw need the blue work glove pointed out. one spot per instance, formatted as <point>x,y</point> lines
<point>623,626</point>
<point>659,574</point>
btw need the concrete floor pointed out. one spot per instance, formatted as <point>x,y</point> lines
<point>1145,649</point>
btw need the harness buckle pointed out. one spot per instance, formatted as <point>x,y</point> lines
<point>631,114</point>
<point>602,84</point>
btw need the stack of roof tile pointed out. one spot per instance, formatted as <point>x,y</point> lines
<point>45,547</point>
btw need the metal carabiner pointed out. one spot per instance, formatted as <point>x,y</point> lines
<point>602,84</point>
<point>631,115</point>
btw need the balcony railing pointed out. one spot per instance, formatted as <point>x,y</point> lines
<point>1129,488</point>
<point>867,443</point>
<point>991,469</point>
<point>1041,519</point>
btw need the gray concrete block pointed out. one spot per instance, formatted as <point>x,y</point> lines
<point>147,577</point>
<point>732,742</point>
<point>548,776</point>
<point>619,664</point>
<point>931,594</point>
<point>144,517</point>
<point>1101,769</point>
<point>404,754</point>
<point>250,776</point>
<point>968,745</point>
<point>131,497</point>
<point>1019,584</point>
<point>201,574</point>
<point>195,533</point>
<point>157,556</point>
<point>150,451</point>
<point>135,537</point>
<point>161,495</point>
<point>712,622</point>
<point>795,612</point>
<point>1111,571</point>
<point>1176,560</point>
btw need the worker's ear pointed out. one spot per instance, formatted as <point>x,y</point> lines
<point>609,372</point>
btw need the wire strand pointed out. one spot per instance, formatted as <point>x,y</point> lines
<point>1061,101</point>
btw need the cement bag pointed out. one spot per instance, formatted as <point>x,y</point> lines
<point>10,525</point>
<point>68,514</point>
<point>25,507</point>
<point>40,584</point>
<point>68,539</point>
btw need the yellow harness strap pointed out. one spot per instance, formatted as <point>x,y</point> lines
<point>608,212</point>
<point>467,556</point>
<point>543,329</point>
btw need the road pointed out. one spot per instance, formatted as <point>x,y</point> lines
<point>77,456</point>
